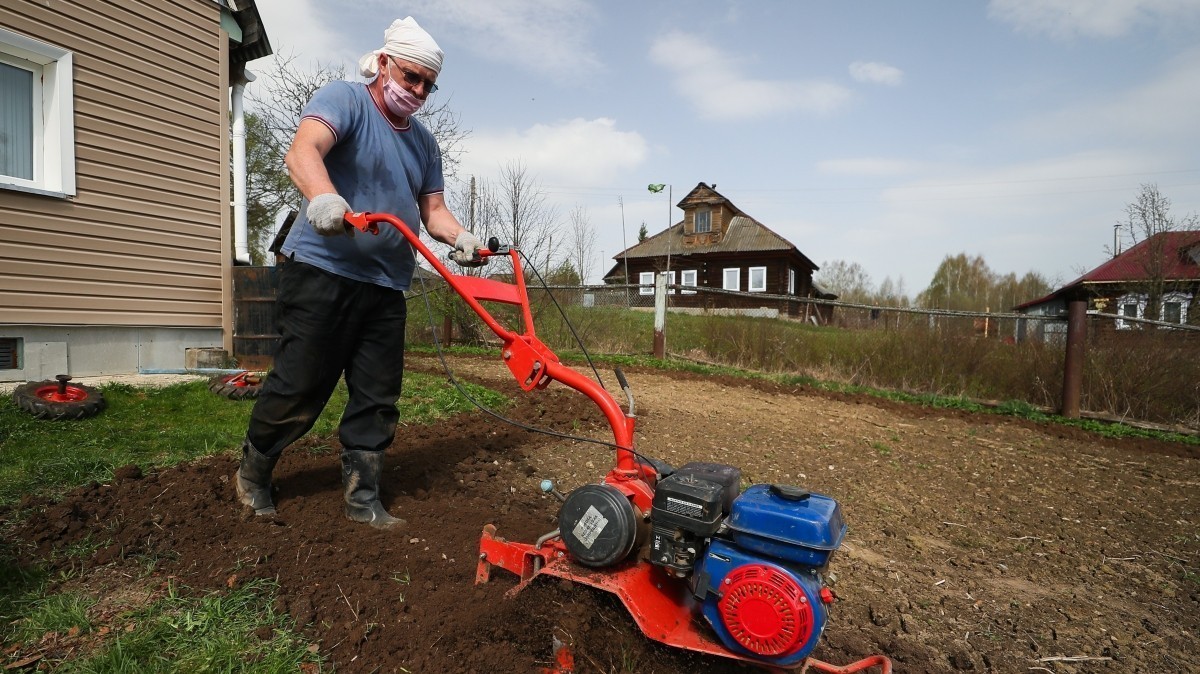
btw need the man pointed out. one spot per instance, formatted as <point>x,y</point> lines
<point>341,308</point>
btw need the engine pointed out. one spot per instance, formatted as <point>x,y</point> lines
<point>753,560</point>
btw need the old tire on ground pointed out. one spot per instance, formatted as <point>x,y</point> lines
<point>240,386</point>
<point>59,401</point>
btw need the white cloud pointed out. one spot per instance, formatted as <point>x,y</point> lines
<point>545,36</point>
<point>1065,19</point>
<point>873,72</point>
<point>575,152</point>
<point>718,87</point>
<point>297,32</point>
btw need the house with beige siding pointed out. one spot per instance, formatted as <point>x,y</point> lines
<point>116,232</point>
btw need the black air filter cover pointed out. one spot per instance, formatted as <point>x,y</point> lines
<point>598,524</point>
<point>689,503</point>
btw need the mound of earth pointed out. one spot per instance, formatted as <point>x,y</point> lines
<point>976,543</point>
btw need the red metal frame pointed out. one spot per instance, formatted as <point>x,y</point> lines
<point>662,606</point>
<point>530,361</point>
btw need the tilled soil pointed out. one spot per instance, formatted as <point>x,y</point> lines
<point>976,542</point>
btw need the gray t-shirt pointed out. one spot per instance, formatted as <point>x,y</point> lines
<point>376,168</point>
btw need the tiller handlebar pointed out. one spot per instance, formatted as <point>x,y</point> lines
<point>533,364</point>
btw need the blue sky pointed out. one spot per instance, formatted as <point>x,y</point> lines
<point>891,134</point>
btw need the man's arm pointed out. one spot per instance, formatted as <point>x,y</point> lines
<point>438,220</point>
<point>305,159</point>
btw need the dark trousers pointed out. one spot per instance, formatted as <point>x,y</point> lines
<point>332,326</point>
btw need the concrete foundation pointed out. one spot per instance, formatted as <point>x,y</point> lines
<point>87,351</point>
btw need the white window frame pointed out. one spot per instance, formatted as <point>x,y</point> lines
<point>671,282</point>
<point>707,213</point>
<point>757,287</point>
<point>737,278</point>
<point>646,283</point>
<point>1136,299</point>
<point>791,281</point>
<point>687,277</point>
<point>1184,301</point>
<point>53,114</point>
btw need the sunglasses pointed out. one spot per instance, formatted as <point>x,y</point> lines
<point>413,79</point>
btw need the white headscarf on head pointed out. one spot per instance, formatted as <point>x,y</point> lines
<point>404,39</point>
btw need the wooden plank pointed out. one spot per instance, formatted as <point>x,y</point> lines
<point>55,284</point>
<point>121,206</point>
<point>141,277</point>
<point>189,262</point>
<point>77,316</point>
<point>100,222</point>
<point>139,34</point>
<point>154,137</point>
<point>129,305</point>
<point>104,111</point>
<point>149,189</point>
<point>116,151</point>
<point>183,107</point>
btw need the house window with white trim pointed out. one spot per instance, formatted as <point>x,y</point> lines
<point>732,278</point>
<point>791,281</point>
<point>671,282</point>
<point>646,283</point>
<point>758,279</point>
<point>703,220</point>
<point>1131,306</point>
<point>37,131</point>
<point>687,278</point>
<point>1175,308</point>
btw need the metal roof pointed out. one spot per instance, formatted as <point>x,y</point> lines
<point>743,235</point>
<point>1179,251</point>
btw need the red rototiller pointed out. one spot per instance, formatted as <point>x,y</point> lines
<point>699,563</point>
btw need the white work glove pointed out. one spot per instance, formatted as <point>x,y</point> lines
<point>465,247</point>
<point>327,212</point>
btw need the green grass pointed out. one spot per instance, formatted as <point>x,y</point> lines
<point>219,632</point>
<point>156,427</point>
<point>166,426</point>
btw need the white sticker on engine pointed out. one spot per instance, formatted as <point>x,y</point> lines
<point>589,527</point>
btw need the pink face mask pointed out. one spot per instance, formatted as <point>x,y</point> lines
<point>399,100</point>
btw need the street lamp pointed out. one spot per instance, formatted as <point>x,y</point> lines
<point>656,188</point>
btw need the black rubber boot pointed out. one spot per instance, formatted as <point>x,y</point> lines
<point>361,471</point>
<point>254,480</point>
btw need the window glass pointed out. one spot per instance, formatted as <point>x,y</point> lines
<point>1133,306</point>
<point>16,122</point>
<point>732,279</point>
<point>703,220</point>
<point>1172,312</point>
<point>758,279</point>
<point>687,277</point>
<point>646,280</point>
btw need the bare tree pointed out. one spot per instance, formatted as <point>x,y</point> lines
<point>583,242</point>
<point>848,280</point>
<point>960,282</point>
<point>891,293</point>
<point>1148,221</point>
<point>514,209</point>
